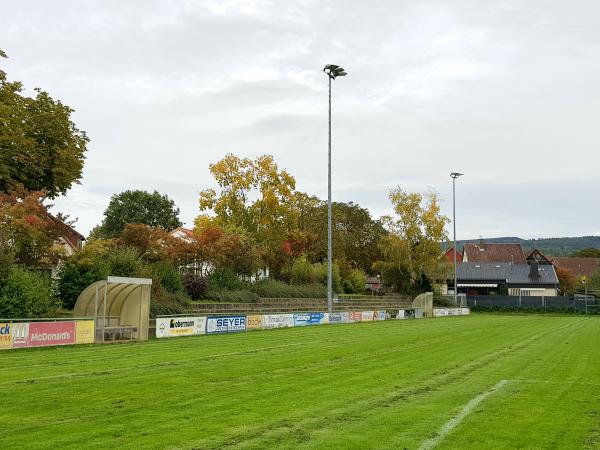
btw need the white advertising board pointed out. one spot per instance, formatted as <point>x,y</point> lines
<point>366,316</point>
<point>180,326</point>
<point>278,321</point>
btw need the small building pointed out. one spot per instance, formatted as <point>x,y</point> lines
<point>373,284</point>
<point>493,253</point>
<point>505,279</point>
<point>449,255</point>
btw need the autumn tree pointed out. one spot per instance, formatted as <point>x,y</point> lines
<point>567,281</point>
<point>141,207</point>
<point>255,197</point>
<point>28,232</point>
<point>41,149</point>
<point>411,251</point>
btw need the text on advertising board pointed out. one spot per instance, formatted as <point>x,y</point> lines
<point>5,335</point>
<point>227,324</point>
<point>51,333</point>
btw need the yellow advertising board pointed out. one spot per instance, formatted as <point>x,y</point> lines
<point>254,322</point>
<point>5,336</point>
<point>84,332</point>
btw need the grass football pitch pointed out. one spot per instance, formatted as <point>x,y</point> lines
<point>479,381</point>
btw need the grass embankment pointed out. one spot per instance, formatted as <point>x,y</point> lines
<point>394,384</point>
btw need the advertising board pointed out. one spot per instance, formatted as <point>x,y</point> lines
<point>20,334</point>
<point>180,326</point>
<point>225,324</point>
<point>5,335</point>
<point>367,316</point>
<point>338,317</point>
<point>42,334</point>
<point>406,314</point>
<point>278,321</point>
<point>84,332</point>
<point>254,322</point>
<point>354,316</point>
<point>440,312</point>
<point>379,315</point>
<point>303,319</point>
<point>465,311</point>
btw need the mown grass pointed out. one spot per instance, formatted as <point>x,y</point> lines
<point>389,384</point>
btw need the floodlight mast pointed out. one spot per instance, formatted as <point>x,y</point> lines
<point>454,176</point>
<point>332,71</point>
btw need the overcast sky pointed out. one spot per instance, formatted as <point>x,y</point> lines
<point>507,92</point>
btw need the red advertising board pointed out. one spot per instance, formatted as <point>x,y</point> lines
<point>51,333</point>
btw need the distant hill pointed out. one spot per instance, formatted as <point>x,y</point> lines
<point>563,246</point>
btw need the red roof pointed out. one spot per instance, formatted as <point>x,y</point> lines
<point>449,255</point>
<point>494,252</point>
<point>579,266</point>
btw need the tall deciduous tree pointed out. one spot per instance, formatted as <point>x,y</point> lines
<point>152,209</point>
<point>567,281</point>
<point>255,197</point>
<point>411,252</point>
<point>40,147</point>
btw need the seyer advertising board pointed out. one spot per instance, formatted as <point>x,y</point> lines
<point>225,324</point>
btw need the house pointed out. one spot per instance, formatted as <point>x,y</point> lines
<point>493,252</point>
<point>69,239</point>
<point>581,267</point>
<point>505,278</point>
<point>449,255</point>
<point>538,257</point>
<point>182,233</point>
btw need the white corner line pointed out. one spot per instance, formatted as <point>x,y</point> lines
<point>464,412</point>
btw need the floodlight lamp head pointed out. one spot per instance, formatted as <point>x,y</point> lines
<point>455,175</point>
<point>333,71</point>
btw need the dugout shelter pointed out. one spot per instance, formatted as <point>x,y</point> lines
<point>120,307</point>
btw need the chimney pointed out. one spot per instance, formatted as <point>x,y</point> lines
<point>534,273</point>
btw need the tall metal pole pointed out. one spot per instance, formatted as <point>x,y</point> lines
<point>455,249</point>
<point>329,250</point>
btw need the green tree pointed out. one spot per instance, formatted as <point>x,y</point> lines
<point>26,294</point>
<point>411,251</point>
<point>140,207</point>
<point>588,253</point>
<point>40,147</point>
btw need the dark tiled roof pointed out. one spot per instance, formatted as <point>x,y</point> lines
<point>503,272</point>
<point>494,252</point>
<point>579,266</point>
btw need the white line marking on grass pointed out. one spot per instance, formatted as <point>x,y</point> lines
<point>452,423</point>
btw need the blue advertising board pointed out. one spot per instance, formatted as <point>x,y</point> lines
<point>225,324</point>
<point>339,317</point>
<point>303,319</point>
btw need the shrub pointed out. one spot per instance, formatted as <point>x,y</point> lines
<point>355,281</point>
<point>276,289</point>
<point>195,286</point>
<point>168,276</point>
<point>234,296</point>
<point>224,279</point>
<point>26,294</point>
<point>166,303</point>
<point>303,272</point>
<point>336,279</point>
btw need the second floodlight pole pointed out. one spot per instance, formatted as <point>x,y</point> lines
<point>329,245</point>
<point>332,71</point>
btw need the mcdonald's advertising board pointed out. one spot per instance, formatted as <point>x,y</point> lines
<point>20,334</point>
<point>42,334</point>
